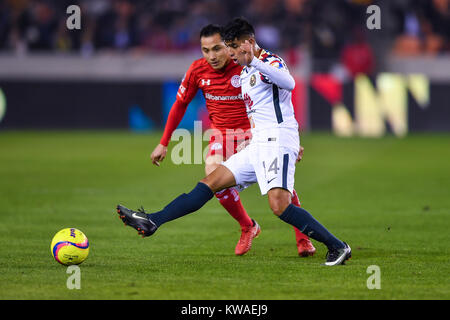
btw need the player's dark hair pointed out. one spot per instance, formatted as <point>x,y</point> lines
<point>237,28</point>
<point>210,30</point>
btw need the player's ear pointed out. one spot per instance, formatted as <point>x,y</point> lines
<point>252,41</point>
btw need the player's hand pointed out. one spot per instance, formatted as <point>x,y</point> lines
<point>248,52</point>
<point>300,154</point>
<point>158,154</point>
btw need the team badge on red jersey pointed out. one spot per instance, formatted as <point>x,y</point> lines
<point>236,81</point>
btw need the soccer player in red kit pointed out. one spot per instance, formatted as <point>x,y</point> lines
<point>219,79</point>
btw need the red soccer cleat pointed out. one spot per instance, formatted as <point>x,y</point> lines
<point>305,248</point>
<point>247,236</point>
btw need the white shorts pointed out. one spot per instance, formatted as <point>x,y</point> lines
<point>269,164</point>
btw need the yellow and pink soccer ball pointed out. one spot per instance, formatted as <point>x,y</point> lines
<point>70,246</point>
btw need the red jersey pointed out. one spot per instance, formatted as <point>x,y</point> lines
<point>222,92</point>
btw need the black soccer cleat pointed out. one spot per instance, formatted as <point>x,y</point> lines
<point>138,220</point>
<point>338,256</point>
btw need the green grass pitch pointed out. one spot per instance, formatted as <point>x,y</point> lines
<point>388,198</point>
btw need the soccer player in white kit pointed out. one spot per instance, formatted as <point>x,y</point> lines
<point>270,157</point>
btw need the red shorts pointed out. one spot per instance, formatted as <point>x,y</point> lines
<point>225,143</point>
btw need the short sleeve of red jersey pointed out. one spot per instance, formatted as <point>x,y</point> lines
<point>188,87</point>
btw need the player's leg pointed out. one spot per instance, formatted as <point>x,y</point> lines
<point>243,171</point>
<point>221,178</point>
<point>276,178</point>
<point>228,198</point>
<point>147,224</point>
<point>279,200</point>
<point>280,203</point>
<point>296,202</point>
<point>304,246</point>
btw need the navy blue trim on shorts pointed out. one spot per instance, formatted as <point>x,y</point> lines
<point>276,103</point>
<point>285,169</point>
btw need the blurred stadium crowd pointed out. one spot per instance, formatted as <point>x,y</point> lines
<point>327,28</point>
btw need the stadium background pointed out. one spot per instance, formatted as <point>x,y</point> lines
<point>122,68</point>
<point>81,111</point>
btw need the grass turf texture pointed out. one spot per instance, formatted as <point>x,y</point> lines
<point>388,198</point>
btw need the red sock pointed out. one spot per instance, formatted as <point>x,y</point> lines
<point>296,202</point>
<point>230,200</point>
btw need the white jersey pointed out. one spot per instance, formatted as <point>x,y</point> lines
<point>266,89</point>
<point>270,157</point>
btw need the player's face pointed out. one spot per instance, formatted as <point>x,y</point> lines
<point>215,51</point>
<point>235,52</point>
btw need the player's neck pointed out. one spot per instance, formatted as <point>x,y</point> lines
<point>226,64</point>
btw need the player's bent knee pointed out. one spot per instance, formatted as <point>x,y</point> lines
<point>210,183</point>
<point>279,200</point>
<point>211,164</point>
<point>278,208</point>
<point>221,178</point>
